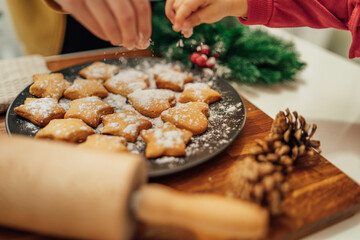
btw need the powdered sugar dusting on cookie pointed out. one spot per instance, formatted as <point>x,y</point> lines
<point>99,70</point>
<point>173,76</point>
<point>196,86</point>
<point>146,98</point>
<point>42,106</point>
<point>168,138</point>
<point>126,76</point>
<point>64,103</point>
<point>117,101</point>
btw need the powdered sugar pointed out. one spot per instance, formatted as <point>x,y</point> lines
<point>196,86</point>
<point>117,101</point>
<point>170,75</point>
<point>41,106</point>
<point>168,138</point>
<point>64,103</point>
<point>146,98</point>
<point>100,70</point>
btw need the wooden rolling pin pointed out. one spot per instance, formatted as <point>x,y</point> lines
<point>60,190</point>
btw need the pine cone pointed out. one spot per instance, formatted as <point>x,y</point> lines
<point>296,133</point>
<point>260,177</point>
<point>288,140</point>
<point>259,182</point>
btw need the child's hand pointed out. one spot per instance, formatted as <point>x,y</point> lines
<point>122,22</point>
<point>186,14</point>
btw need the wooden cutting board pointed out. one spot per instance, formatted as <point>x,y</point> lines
<point>321,194</point>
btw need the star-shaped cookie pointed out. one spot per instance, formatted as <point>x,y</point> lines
<point>40,110</point>
<point>199,92</point>
<point>125,123</point>
<point>167,140</point>
<point>191,116</point>
<point>89,109</point>
<point>69,130</point>
<point>127,81</point>
<point>173,79</point>
<point>152,102</point>
<point>49,85</point>
<point>99,71</point>
<point>106,143</point>
<point>86,88</point>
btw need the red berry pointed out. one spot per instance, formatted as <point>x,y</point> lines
<point>205,49</point>
<point>217,55</point>
<point>201,61</point>
<point>210,63</point>
<point>194,56</point>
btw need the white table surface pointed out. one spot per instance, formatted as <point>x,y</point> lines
<point>326,92</point>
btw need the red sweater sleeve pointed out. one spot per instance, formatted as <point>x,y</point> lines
<point>340,14</point>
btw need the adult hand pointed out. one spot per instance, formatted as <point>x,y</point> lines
<point>186,14</point>
<point>122,22</point>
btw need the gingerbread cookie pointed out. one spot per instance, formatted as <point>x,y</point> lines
<point>152,102</point>
<point>191,116</point>
<point>99,71</point>
<point>49,85</point>
<point>40,110</point>
<point>126,124</point>
<point>104,142</point>
<point>89,109</point>
<point>127,81</point>
<point>167,140</point>
<point>199,92</point>
<point>86,88</point>
<point>173,79</point>
<point>69,130</point>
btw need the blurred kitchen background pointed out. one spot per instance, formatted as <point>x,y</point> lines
<point>336,41</point>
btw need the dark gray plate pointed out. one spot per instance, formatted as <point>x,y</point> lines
<point>227,118</point>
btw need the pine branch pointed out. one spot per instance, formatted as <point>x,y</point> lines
<point>253,56</point>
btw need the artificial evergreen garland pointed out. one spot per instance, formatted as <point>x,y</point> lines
<point>243,54</point>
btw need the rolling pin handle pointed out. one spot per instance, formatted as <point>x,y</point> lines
<point>211,214</point>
